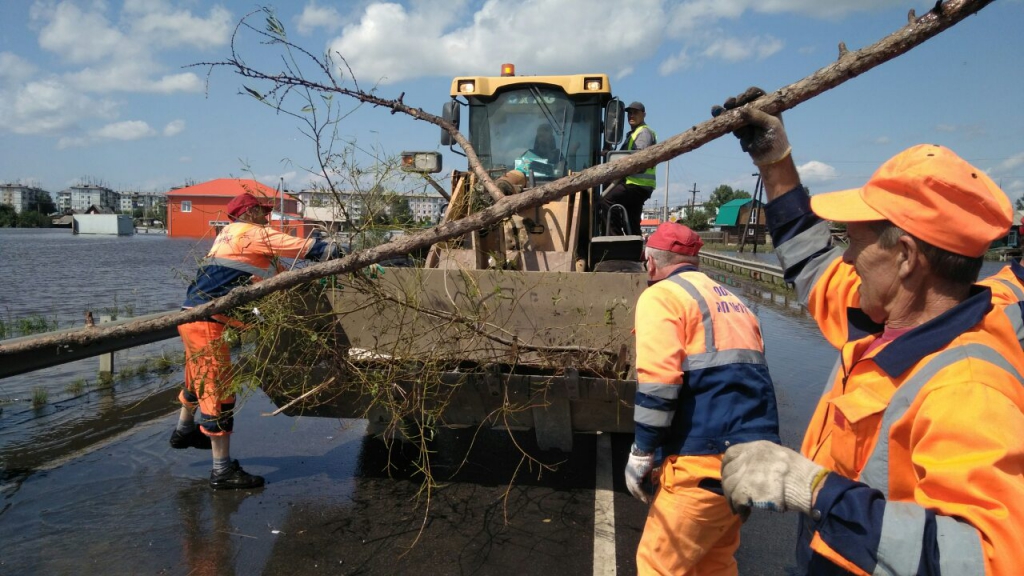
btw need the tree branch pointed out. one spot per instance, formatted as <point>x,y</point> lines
<point>850,65</point>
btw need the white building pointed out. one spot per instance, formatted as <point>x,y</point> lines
<point>131,201</point>
<point>350,207</point>
<point>23,198</point>
<point>427,207</point>
<point>80,198</point>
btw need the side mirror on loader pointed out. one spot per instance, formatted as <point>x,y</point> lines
<point>614,116</point>
<point>451,114</point>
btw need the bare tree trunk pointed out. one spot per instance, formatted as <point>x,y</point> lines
<point>848,65</point>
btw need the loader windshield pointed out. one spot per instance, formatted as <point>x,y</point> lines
<point>536,128</point>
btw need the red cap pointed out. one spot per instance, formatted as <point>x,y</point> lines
<point>243,202</point>
<point>931,193</point>
<point>676,238</point>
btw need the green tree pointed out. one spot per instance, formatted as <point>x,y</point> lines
<point>1019,204</point>
<point>722,195</point>
<point>696,219</point>
<point>33,219</point>
<point>401,213</point>
<point>8,217</point>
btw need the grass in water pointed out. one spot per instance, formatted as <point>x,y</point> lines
<point>40,397</point>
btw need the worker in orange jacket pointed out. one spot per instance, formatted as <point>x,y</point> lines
<point>913,461</point>
<point>702,386</point>
<point>245,251</point>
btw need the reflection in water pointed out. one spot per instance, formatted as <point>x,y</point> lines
<point>206,529</point>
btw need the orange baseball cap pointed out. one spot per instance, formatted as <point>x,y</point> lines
<point>931,193</point>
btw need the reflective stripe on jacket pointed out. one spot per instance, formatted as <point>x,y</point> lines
<point>243,252</point>
<point>646,178</point>
<point>924,431</point>
<point>703,383</point>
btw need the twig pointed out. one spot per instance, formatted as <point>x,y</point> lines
<point>305,395</point>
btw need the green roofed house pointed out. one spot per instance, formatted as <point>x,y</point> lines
<point>739,217</point>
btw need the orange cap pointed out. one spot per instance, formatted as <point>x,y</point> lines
<point>931,193</point>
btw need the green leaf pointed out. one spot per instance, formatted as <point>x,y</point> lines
<point>254,93</point>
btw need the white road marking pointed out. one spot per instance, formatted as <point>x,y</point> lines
<point>604,509</point>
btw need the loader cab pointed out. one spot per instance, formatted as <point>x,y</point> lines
<point>552,124</point>
<point>545,127</point>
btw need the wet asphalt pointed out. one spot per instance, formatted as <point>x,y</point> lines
<point>336,502</point>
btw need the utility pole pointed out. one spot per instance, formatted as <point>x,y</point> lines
<point>667,164</point>
<point>693,202</point>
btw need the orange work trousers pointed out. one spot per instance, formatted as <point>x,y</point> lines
<point>690,530</point>
<point>208,375</point>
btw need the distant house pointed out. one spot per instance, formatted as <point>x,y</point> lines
<point>199,211</point>
<point>648,226</point>
<point>738,217</point>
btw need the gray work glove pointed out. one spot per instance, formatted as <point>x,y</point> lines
<point>764,475</point>
<point>638,468</point>
<point>764,136</point>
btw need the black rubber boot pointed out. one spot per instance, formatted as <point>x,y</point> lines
<point>193,439</point>
<point>234,478</point>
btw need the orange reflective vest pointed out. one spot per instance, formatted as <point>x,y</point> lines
<point>924,431</point>
<point>245,252</point>
<point>702,379</point>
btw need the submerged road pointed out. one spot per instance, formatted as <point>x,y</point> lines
<point>337,502</point>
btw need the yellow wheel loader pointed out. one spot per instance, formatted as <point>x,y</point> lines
<point>514,326</point>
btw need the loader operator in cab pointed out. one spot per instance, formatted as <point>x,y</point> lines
<point>543,158</point>
<point>636,189</point>
<point>247,250</point>
<point>912,462</point>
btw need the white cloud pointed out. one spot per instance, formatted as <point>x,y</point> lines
<point>1014,188</point>
<point>691,15</point>
<point>533,35</point>
<point>124,131</point>
<point>104,51</point>
<point>174,128</point>
<point>815,172</point>
<point>378,38</point>
<point>882,140</point>
<point>48,107</point>
<point>680,61</point>
<point>1008,165</point>
<point>76,35</point>
<point>736,49</point>
<point>945,128</point>
<point>166,27</point>
<point>314,16</point>
<point>15,69</point>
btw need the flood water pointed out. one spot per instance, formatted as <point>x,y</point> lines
<point>90,486</point>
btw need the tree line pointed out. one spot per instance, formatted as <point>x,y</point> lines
<point>10,218</point>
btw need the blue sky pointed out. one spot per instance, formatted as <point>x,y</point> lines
<point>102,91</point>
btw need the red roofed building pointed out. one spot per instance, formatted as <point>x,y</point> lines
<point>199,211</point>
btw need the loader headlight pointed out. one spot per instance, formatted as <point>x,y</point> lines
<point>466,86</point>
<point>421,162</point>
<point>592,84</point>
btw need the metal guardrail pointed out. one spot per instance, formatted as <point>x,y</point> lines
<point>29,361</point>
<point>758,270</point>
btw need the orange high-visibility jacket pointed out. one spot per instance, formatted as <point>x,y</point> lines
<point>926,432</point>
<point>702,379</point>
<point>245,252</point>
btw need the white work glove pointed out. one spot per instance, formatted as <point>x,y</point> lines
<point>638,467</point>
<point>764,136</point>
<point>763,474</point>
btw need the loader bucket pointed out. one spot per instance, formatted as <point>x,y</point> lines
<point>551,351</point>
